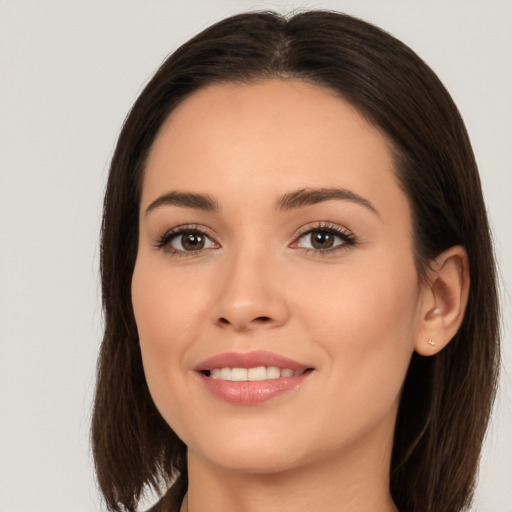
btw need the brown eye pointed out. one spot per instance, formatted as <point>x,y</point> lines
<point>325,239</point>
<point>322,239</point>
<point>190,241</point>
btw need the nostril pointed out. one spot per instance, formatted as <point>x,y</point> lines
<point>243,323</point>
<point>262,319</point>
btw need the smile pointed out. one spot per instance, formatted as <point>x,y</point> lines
<point>251,378</point>
<point>253,374</point>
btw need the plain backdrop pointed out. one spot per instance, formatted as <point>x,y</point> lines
<point>69,72</point>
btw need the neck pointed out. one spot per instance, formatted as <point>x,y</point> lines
<point>354,481</point>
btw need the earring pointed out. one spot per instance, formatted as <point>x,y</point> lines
<point>431,342</point>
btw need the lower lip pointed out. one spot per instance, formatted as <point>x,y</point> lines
<point>251,392</point>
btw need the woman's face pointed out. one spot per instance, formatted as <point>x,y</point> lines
<point>274,234</point>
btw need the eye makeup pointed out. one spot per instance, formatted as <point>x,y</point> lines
<point>319,238</point>
<point>323,238</point>
<point>186,240</point>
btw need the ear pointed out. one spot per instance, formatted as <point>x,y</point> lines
<point>444,300</point>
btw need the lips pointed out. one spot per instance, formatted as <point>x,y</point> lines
<point>251,378</point>
<point>238,374</point>
<point>250,360</point>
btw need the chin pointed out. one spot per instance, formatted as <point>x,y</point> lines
<point>257,451</point>
<point>254,460</point>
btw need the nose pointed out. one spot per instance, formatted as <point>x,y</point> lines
<point>251,295</point>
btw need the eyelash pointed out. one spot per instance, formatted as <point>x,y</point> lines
<point>164,241</point>
<point>347,237</point>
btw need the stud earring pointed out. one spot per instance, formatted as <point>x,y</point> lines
<point>431,342</point>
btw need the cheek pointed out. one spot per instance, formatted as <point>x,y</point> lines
<point>370,292</point>
<point>361,299</point>
<point>166,320</point>
<point>365,322</point>
<point>166,305</point>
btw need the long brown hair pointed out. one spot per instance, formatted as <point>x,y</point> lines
<point>447,398</point>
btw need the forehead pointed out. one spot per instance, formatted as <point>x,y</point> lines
<point>268,137</point>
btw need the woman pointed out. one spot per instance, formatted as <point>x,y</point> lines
<point>298,279</point>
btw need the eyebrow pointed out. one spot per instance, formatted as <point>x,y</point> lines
<point>186,200</point>
<point>289,201</point>
<point>310,196</point>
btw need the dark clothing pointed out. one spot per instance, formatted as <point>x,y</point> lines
<point>170,501</point>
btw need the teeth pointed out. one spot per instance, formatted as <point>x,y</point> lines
<point>257,373</point>
<point>273,372</point>
<point>238,374</point>
<point>225,373</point>
<point>217,374</point>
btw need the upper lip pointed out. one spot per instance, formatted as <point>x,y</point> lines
<point>250,360</point>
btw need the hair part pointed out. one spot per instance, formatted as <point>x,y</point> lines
<point>447,398</point>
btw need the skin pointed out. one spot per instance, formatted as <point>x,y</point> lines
<point>354,314</point>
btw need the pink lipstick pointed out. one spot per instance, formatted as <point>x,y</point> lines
<point>251,378</point>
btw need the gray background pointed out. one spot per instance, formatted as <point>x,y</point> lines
<point>69,72</point>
